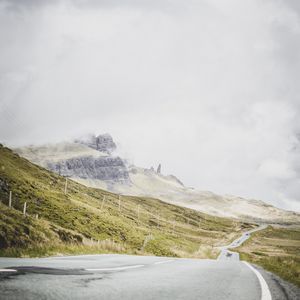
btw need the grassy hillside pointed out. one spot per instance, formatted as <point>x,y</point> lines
<point>81,222</point>
<point>276,250</point>
<point>149,182</point>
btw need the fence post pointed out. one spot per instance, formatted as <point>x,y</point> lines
<point>119,203</point>
<point>146,240</point>
<point>10,199</point>
<point>138,212</point>
<point>103,200</point>
<point>24,209</point>
<point>66,185</point>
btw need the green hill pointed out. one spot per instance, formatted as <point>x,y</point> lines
<point>80,221</point>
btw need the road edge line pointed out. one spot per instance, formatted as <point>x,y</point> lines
<point>265,291</point>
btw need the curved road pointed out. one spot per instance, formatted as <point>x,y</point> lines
<point>130,277</point>
<point>127,277</point>
<point>227,254</point>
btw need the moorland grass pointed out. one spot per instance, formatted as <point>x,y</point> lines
<point>275,249</point>
<point>80,221</point>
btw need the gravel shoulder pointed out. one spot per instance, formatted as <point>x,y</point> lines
<point>279,288</point>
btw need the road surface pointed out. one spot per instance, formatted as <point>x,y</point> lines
<point>125,277</point>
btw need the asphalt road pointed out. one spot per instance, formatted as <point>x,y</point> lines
<point>127,277</point>
<point>135,277</point>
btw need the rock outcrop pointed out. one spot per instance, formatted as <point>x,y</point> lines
<point>159,169</point>
<point>87,158</point>
<point>103,142</point>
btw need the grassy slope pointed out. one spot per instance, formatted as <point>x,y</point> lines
<point>76,222</point>
<point>276,250</point>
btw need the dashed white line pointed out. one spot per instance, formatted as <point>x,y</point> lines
<point>8,270</point>
<point>129,267</point>
<point>78,256</point>
<point>163,261</point>
<point>265,292</point>
<point>116,268</point>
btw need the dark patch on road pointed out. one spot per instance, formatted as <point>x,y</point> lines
<point>86,281</point>
<point>48,271</point>
<point>8,275</point>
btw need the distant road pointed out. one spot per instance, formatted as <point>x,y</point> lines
<point>227,254</point>
<point>125,277</point>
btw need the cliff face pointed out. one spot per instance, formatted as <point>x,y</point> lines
<point>86,158</point>
<point>87,167</point>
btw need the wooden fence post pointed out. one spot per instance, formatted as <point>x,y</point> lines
<point>24,209</point>
<point>146,240</point>
<point>103,200</point>
<point>10,199</point>
<point>66,186</point>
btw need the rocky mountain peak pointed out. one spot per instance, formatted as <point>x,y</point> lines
<point>103,142</point>
<point>159,169</point>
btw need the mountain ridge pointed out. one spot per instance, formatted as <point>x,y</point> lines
<point>85,163</point>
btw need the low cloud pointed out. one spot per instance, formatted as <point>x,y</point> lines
<point>207,88</point>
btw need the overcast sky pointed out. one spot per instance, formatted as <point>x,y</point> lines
<point>208,88</point>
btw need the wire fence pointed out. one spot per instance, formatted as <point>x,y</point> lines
<point>118,204</point>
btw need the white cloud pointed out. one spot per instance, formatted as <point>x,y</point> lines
<point>276,170</point>
<point>206,88</point>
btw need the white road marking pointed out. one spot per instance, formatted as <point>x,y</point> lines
<point>117,268</point>
<point>163,261</point>
<point>8,270</point>
<point>265,292</point>
<point>78,256</point>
